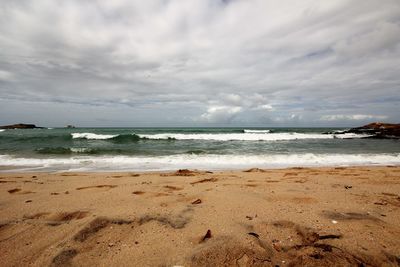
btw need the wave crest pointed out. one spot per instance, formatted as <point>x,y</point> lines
<point>117,138</point>
<point>250,136</point>
<point>92,136</point>
<point>256,131</point>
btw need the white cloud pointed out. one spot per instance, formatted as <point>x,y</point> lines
<point>5,75</point>
<point>269,59</point>
<point>357,117</point>
<point>222,114</point>
<point>233,99</point>
<point>382,37</point>
<point>264,107</point>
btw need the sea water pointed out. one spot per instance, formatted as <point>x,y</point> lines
<point>157,149</point>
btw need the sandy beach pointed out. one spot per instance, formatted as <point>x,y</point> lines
<point>287,217</point>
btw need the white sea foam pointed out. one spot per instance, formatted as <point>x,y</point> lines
<point>256,135</point>
<point>350,135</point>
<point>256,131</point>
<point>205,162</point>
<point>250,136</point>
<point>80,149</point>
<point>92,136</point>
<point>2,130</point>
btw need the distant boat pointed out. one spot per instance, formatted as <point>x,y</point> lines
<point>70,126</point>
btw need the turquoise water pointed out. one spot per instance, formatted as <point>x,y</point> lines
<point>204,148</point>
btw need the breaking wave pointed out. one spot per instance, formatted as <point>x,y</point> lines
<point>93,136</point>
<point>205,162</point>
<point>128,138</point>
<point>256,131</point>
<point>252,136</point>
<point>118,138</point>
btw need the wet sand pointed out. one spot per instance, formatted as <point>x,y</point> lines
<point>287,217</point>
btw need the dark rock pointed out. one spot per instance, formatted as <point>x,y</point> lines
<point>254,234</point>
<point>377,130</point>
<point>330,236</point>
<point>197,201</point>
<point>206,236</point>
<point>20,126</point>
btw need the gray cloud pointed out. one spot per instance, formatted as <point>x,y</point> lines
<point>199,62</point>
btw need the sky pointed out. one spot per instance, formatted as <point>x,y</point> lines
<point>233,63</point>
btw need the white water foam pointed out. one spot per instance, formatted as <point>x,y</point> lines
<point>204,162</point>
<point>2,130</point>
<point>251,136</point>
<point>350,135</point>
<point>247,136</point>
<point>256,131</point>
<point>92,136</point>
<point>80,149</point>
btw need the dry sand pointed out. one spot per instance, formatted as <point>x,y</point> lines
<point>289,217</point>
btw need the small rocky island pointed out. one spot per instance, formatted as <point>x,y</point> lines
<point>20,126</point>
<point>378,130</point>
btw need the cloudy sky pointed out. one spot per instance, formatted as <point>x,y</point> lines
<point>199,62</point>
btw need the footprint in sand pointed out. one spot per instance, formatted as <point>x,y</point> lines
<point>105,186</point>
<point>13,191</point>
<point>64,258</point>
<point>138,192</point>
<point>96,225</point>
<point>20,191</point>
<point>7,181</point>
<point>290,174</point>
<point>304,248</point>
<point>173,188</point>
<point>82,241</point>
<point>55,219</point>
<point>204,181</point>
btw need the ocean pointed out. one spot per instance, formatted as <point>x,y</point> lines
<point>160,149</point>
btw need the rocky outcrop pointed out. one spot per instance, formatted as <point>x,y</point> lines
<point>20,126</point>
<point>378,130</point>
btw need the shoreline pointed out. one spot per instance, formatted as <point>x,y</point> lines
<point>288,216</point>
<point>171,163</point>
<point>4,170</point>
